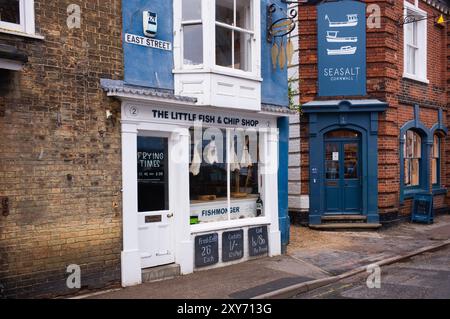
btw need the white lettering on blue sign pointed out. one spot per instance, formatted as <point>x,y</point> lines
<point>146,42</point>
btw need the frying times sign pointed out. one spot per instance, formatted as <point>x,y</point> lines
<point>342,48</point>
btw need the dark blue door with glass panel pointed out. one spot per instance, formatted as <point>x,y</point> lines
<point>343,184</point>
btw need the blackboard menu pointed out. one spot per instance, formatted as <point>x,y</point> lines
<point>232,245</point>
<point>423,208</point>
<point>258,241</point>
<point>206,250</point>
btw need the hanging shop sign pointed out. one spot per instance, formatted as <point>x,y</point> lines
<point>342,48</point>
<point>278,34</point>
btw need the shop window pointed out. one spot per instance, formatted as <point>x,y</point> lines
<point>234,34</point>
<point>224,175</point>
<point>415,43</point>
<point>412,159</point>
<point>17,15</point>
<point>435,161</point>
<point>192,32</point>
<point>153,174</point>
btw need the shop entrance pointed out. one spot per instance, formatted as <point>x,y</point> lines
<point>155,218</point>
<point>343,183</point>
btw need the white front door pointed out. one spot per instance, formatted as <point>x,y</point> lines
<point>155,219</point>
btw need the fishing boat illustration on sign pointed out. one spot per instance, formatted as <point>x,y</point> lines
<point>352,21</point>
<point>347,50</point>
<point>332,37</point>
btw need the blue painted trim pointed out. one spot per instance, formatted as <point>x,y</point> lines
<point>427,143</point>
<point>440,191</point>
<point>344,115</point>
<point>283,178</point>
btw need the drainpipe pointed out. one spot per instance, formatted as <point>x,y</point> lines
<point>283,171</point>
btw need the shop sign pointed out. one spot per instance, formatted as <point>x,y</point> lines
<point>147,42</point>
<point>216,211</point>
<point>232,245</point>
<point>258,241</point>
<point>342,48</point>
<point>206,250</point>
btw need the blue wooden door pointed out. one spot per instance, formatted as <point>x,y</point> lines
<point>342,175</point>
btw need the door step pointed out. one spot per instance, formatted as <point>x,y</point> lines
<point>346,226</point>
<point>346,219</point>
<point>160,273</point>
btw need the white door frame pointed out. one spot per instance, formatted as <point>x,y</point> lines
<point>178,185</point>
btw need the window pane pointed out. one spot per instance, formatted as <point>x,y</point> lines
<point>208,176</point>
<point>351,161</point>
<point>244,158</point>
<point>409,144</point>
<point>332,161</point>
<point>153,174</point>
<point>225,11</point>
<point>342,134</point>
<point>10,11</point>
<point>417,146</point>
<point>244,14</point>
<point>192,10</point>
<point>407,172</point>
<point>411,59</point>
<point>415,172</point>
<point>224,47</point>
<point>434,171</point>
<point>242,51</point>
<point>436,147</point>
<point>193,44</point>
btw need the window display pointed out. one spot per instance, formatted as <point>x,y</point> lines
<point>224,175</point>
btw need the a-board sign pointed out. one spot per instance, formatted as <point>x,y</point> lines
<point>206,250</point>
<point>423,208</point>
<point>258,241</point>
<point>232,245</point>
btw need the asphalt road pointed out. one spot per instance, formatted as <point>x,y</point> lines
<point>423,277</point>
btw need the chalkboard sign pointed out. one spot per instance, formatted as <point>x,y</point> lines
<point>206,250</point>
<point>258,241</point>
<point>423,208</point>
<point>232,245</point>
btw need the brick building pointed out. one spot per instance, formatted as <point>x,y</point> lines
<point>366,153</point>
<point>138,144</point>
<point>60,166</point>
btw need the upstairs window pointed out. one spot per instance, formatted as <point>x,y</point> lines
<point>435,161</point>
<point>234,34</point>
<point>415,43</point>
<point>412,157</point>
<point>17,15</point>
<point>192,32</point>
<point>219,36</point>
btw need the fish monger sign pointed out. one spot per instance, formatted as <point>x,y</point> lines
<point>342,48</point>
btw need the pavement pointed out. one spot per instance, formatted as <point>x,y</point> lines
<point>313,257</point>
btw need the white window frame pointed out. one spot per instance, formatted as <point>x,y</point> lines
<point>209,42</point>
<point>27,23</point>
<point>421,59</point>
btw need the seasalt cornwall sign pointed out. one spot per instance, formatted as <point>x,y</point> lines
<point>342,48</point>
<point>148,42</point>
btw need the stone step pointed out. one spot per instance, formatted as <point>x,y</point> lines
<point>345,226</point>
<point>344,219</point>
<point>161,273</point>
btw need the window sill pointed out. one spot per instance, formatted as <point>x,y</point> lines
<point>232,224</point>
<point>439,191</point>
<point>416,78</point>
<point>230,73</point>
<point>409,193</point>
<point>22,34</point>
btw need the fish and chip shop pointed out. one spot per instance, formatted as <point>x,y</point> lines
<point>204,137</point>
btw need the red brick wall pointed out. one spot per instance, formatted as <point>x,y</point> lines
<point>60,161</point>
<point>385,82</point>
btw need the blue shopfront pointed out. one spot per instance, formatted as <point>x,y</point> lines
<point>343,122</point>
<point>343,147</point>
